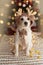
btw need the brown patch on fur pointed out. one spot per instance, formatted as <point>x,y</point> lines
<point>18,19</point>
<point>22,32</point>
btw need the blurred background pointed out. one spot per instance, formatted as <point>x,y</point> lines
<point>7,14</point>
<point>41,11</point>
<point>7,10</point>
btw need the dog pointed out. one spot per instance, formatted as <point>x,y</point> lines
<point>23,34</point>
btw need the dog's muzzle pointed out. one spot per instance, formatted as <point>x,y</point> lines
<point>25,23</point>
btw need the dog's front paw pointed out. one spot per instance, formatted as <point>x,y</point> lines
<point>27,54</point>
<point>16,55</point>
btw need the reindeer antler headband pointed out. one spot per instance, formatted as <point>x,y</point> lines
<point>30,13</point>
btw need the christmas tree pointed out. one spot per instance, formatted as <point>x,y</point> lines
<point>19,6</point>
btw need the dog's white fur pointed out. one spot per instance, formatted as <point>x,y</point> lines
<point>28,37</point>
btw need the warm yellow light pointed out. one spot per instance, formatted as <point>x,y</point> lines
<point>0,35</point>
<point>1,21</point>
<point>31,54</point>
<point>8,23</point>
<point>15,14</point>
<point>19,4</point>
<point>12,18</point>
<point>37,1</point>
<point>12,2</point>
<point>37,52</point>
<point>1,14</point>
<point>27,1</point>
<point>29,6</point>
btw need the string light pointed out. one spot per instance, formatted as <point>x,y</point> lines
<point>30,6</point>
<point>1,14</point>
<point>1,21</point>
<point>12,2</point>
<point>37,52</point>
<point>27,1</point>
<point>0,35</point>
<point>37,1</point>
<point>19,4</point>
<point>12,18</point>
<point>31,54</point>
<point>24,5</point>
<point>33,38</point>
<point>15,14</point>
<point>8,23</point>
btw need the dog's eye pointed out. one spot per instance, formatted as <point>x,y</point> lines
<point>27,18</point>
<point>22,19</point>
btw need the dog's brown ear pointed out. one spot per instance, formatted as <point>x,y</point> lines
<point>32,19</point>
<point>31,22</point>
<point>17,21</point>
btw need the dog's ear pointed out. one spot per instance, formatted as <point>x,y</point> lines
<point>32,19</point>
<point>17,21</point>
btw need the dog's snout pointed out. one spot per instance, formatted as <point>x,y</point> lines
<point>25,23</point>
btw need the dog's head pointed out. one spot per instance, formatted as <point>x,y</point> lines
<point>24,20</point>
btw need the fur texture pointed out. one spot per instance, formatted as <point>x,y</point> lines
<point>23,34</point>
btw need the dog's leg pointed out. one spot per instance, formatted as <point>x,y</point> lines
<point>29,46</point>
<point>12,49</point>
<point>27,50</point>
<point>17,49</point>
<point>17,43</point>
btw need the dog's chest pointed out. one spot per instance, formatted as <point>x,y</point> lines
<point>25,38</point>
<point>28,37</point>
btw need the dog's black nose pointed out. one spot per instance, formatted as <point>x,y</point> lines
<point>25,23</point>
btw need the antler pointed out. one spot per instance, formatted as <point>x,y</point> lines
<point>31,12</point>
<point>19,12</point>
<point>32,15</point>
